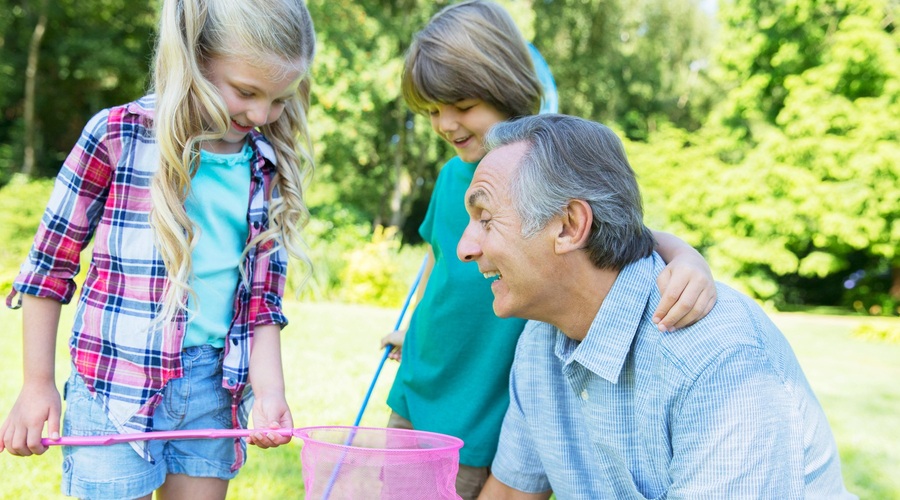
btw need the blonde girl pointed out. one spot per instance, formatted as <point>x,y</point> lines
<point>193,198</point>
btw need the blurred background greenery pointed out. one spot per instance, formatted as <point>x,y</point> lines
<point>763,133</point>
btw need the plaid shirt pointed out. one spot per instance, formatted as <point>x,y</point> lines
<point>103,192</point>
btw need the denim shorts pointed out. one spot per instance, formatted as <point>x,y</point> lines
<point>196,401</point>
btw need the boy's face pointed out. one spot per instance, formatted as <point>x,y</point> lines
<point>463,124</point>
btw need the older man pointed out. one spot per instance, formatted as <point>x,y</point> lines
<point>604,405</point>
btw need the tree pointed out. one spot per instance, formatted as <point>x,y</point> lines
<point>812,196</point>
<point>34,49</point>
<point>62,62</point>
<point>378,158</point>
<point>633,63</point>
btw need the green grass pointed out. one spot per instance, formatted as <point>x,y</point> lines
<point>331,353</point>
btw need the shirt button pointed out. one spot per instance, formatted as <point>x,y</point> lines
<point>584,395</point>
<point>232,382</point>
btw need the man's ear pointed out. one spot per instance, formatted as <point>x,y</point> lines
<point>577,219</point>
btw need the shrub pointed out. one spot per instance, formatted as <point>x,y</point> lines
<point>888,332</point>
<point>371,272</point>
<point>22,203</point>
<point>352,263</point>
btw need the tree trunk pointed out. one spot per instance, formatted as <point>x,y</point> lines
<point>401,179</point>
<point>31,72</point>
<point>895,281</point>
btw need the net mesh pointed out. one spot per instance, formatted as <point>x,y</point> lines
<point>367,462</point>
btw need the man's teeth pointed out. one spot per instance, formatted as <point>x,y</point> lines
<point>492,274</point>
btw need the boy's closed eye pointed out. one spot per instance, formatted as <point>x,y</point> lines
<point>466,104</point>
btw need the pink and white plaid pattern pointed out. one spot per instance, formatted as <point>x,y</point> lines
<point>103,193</point>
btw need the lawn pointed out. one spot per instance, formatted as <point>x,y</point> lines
<point>332,353</point>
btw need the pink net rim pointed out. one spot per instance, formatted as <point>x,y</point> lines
<point>442,442</point>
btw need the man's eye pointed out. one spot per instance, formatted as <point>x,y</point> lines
<point>485,223</point>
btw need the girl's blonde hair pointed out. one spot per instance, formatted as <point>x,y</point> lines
<point>471,50</point>
<point>189,110</point>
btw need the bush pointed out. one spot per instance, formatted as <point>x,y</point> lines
<point>888,332</point>
<point>352,263</point>
<point>22,203</point>
<point>378,273</point>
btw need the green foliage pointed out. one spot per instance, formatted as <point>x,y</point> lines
<point>878,332</point>
<point>633,63</point>
<point>379,158</point>
<point>813,196</point>
<point>368,276</point>
<point>94,54</point>
<point>21,206</point>
<point>353,263</point>
<point>332,231</point>
<point>789,187</point>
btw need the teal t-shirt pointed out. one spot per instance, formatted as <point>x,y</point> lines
<point>454,374</point>
<point>220,195</point>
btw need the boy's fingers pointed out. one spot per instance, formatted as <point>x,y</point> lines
<point>670,292</point>
<point>698,312</point>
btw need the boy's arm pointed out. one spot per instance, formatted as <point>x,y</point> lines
<point>686,285</point>
<point>38,402</point>
<point>270,408</point>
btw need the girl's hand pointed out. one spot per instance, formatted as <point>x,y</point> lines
<point>270,409</point>
<point>395,339</point>
<point>270,412</point>
<point>23,428</point>
<point>688,292</point>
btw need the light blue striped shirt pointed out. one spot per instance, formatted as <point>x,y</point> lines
<point>720,409</point>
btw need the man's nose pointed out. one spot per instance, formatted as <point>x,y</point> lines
<point>468,249</point>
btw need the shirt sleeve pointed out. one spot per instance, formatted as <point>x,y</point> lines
<point>69,221</point>
<point>736,433</point>
<point>517,463</point>
<point>270,306</point>
<point>426,229</point>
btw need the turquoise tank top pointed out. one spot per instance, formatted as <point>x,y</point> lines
<point>218,204</point>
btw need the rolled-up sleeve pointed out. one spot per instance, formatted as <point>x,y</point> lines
<point>273,281</point>
<point>69,220</point>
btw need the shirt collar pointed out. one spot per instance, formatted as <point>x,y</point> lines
<point>609,339</point>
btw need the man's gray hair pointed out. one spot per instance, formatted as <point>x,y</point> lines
<point>572,158</point>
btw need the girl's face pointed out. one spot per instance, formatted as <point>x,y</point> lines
<point>464,124</point>
<point>253,95</point>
